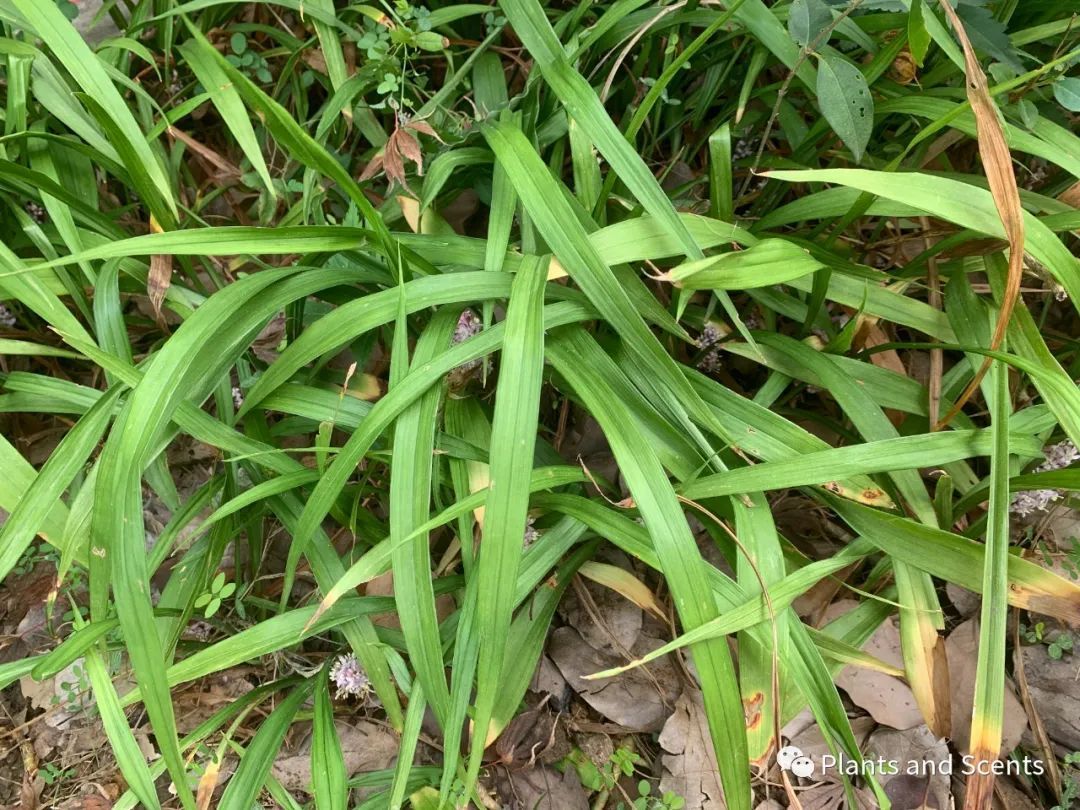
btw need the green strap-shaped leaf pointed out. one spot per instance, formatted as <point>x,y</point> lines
<point>205,67</point>
<point>246,784</point>
<point>513,432</point>
<point>410,499</point>
<point>328,776</point>
<point>679,558</point>
<point>961,203</point>
<point>86,68</point>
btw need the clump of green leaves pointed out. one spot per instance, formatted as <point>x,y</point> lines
<point>247,59</point>
<point>1058,642</point>
<point>210,268</point>
<point>646,800</point>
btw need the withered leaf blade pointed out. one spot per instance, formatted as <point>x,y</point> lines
<point>157,283</point>
<point>997,165</point>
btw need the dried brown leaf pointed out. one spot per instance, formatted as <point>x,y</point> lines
<point>159,280</point>
<point>28,794</point>
<point>409,147</point>
<point>424,127</point>
<point>1071,195</point>
<point>689,763</point>
<point>997,165</point>
<point>207,784</point>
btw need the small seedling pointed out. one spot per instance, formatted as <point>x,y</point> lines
<point>210,600</point>
<point>51,774</point>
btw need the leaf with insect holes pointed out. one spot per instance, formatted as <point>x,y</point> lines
<point>845,101</point>
<point>807,19</point>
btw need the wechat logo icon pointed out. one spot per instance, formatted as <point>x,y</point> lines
<point>791,759</point>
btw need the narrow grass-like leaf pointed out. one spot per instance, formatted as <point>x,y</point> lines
<point>410,497</point>
<point>517,412</point>
<point>228,103</point>
<point>771,261</point>
<point>988,707</point>
<point>328,775</point>
<point>410,734</point>
<point>244,786</point>
<point>86,68</point>
<point>966,205</point>
<point>681,562</point>
<point>28,517</point>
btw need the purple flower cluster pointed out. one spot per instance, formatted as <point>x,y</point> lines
<point>708,339</point>
<point>36,211</point>
<point>1058,456</point>
<point>468,325</point>
<point>531,532</point>
<point>349,677</point>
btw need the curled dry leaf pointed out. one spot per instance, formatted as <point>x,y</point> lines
<point>402,145</point>
<point>204,793</point>
<point>160,276</point>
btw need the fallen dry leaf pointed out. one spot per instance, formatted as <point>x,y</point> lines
<point>888,699</point>
<point>366,746</point>
<point>606,620</point>
<point>28,793</point>
<point>909,791</point>
<point>630,699</point>
<point>825,790</point>
<point>1008,797</point>
<point>909,748</point>
<point>525,737</point>
<point>690,768</point>
<point>540,788</point>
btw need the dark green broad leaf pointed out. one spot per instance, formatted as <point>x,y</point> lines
<point>807,19</point>
<point>845,101</point>
<point>1067,93</point>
